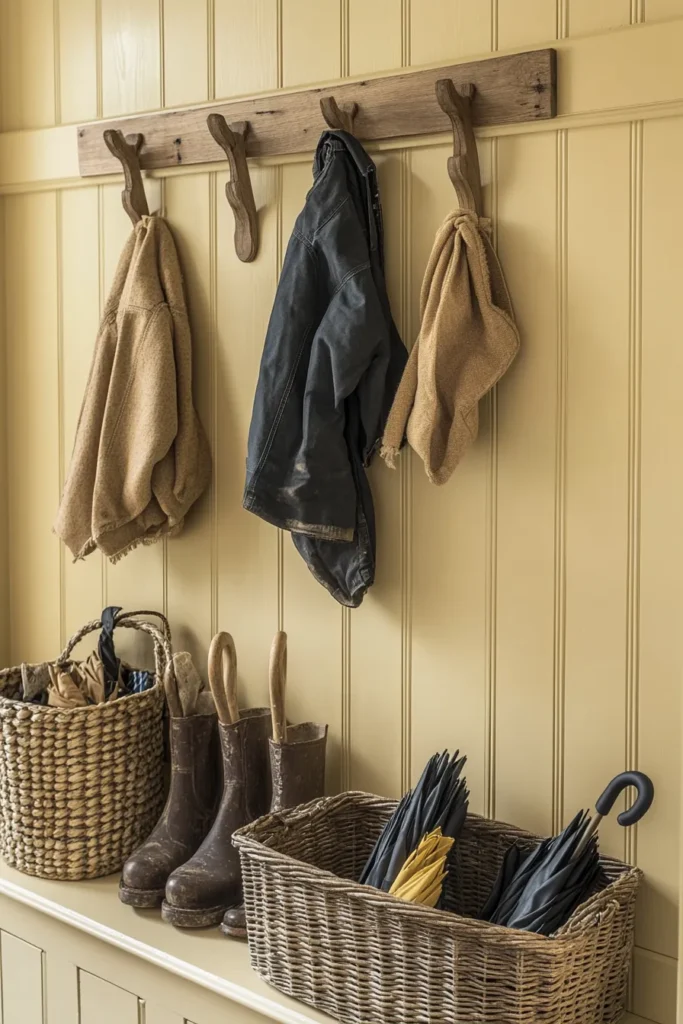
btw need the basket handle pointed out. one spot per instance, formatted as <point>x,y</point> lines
<point>161,637</point>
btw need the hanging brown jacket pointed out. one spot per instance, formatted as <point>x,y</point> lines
<point>140,457</point>
<point>468,338</point>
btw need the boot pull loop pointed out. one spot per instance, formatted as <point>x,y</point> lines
<point>223,678</point>
<point>278,681</point>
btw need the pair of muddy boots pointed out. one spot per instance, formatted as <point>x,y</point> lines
<point>188,864</point>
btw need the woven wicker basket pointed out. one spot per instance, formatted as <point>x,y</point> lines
<point>365,957</point>
<point>81,788</point>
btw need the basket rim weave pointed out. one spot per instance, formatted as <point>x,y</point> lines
<point>255,839</point>
<point>163,657</point>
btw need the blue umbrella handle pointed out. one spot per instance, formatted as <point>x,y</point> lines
<point>645,795</point>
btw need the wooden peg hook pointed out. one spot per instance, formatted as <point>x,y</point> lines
<point>127,150</point>
<point>238,189</point>
<point>338,118</point>
<point>463,166</point>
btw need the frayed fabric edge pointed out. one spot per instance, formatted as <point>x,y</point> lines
<point>389,454</point>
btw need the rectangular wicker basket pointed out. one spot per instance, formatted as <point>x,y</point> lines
<point>365,957</point>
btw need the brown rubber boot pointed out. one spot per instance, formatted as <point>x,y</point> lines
<point>298,774</point>
<point>199,892</point>
<point>297,763</point>
<point>186,818</point>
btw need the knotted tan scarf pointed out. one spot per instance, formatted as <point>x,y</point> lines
<point>467,340</point>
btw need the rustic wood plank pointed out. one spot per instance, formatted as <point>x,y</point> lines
<point>509,89</point>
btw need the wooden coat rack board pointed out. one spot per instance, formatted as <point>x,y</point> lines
<point>505,90</point>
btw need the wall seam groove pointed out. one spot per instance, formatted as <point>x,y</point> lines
<point>98,59</point>
<point>164,542</point>
<point>491,566</point>
<point>562,19</point>
<point>211,49</point>
<point>279,50</point>
<point>344,38</point>
<point>346,698</point>
<point>59,284</point>
<point>634,465</point>
<point>162,55</point>
<point>57,69</point>
<point>213,341</point>
<point>494,25</point>
<point>279,255</point>
<point>406,484</point>
<point>101,300</point>
<point>560,538</point>
<point>406,18</point>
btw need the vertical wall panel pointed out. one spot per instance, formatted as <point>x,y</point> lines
<point>103,1003</point>
<point>376,635</point>
<point>448,549</point>
<point>186,49</point>
<point>27,66</point>
<point>189,581</point>
<point>22,981</point>
<point>33,424</point>
<point>246,555</point>
<point>137,581</point>
<point>78,60</point>
<point>302,62</point>
<point>311,617</point>
<point>597,466</point>
<point>527,483</point>
<point>4,499</point>
<point>80,311</point>
<point>375,35</point>
<point>661,548</point>
<point>443,29</point>
<point>586,16</point>
<point>526,22</point>
<point>131,77</point>
<point>246,46</point>
<point>658,10</point>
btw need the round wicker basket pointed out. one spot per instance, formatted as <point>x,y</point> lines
<point>81,788</point>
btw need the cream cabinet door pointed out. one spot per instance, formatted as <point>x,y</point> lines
<point>104,1003</point>
<point>22,981</point>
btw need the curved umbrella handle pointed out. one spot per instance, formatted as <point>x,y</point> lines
<point>643,802</point>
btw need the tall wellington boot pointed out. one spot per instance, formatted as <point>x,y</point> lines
<point>297,764</point>
<point>190,806</point>
<point>199,891</point>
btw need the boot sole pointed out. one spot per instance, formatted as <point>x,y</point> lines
<point>145,898</point>
<point>234,933</point>
<point>184,917</point>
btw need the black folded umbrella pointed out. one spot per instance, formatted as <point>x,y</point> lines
<point>539,891</point>
<point>439,800</point>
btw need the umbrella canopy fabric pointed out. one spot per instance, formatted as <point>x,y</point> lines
<point>539,891</point>
<point>439,800</point>
<point>547,885</point>
<point>421,878</point>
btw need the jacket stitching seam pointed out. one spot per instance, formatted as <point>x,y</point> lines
<point>334,212</point>
<point>351,273</point>
<point>281,407</point>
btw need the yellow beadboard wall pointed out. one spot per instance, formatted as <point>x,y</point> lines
<point>528,612</point>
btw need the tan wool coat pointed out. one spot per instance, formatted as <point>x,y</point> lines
<point>140,457</point>
<point>467,340</point>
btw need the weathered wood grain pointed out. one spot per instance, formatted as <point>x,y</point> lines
<point>509,89</point>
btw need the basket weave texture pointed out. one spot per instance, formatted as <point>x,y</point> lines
<point>81,788</point>
<point>365,957</point>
